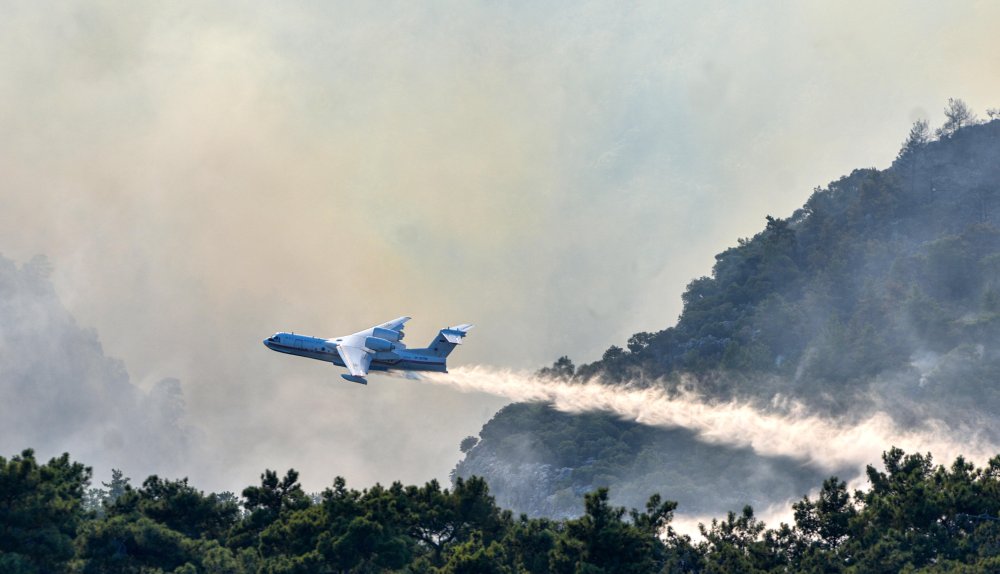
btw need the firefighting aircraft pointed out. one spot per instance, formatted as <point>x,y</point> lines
<point>377,349</point>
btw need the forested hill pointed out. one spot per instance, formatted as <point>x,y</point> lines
<point>876,272</point>
<point>881,293</point>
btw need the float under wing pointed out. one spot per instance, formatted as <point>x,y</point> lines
<point>357,361</point>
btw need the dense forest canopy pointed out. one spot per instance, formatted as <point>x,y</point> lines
<point>914,516</point>
<point>880,295</point>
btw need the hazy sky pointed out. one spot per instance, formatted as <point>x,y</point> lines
<point>204,174</point>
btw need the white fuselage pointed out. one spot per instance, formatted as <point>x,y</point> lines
<point>399,358</point>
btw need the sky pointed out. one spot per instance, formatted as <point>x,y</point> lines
<point>203,174</point>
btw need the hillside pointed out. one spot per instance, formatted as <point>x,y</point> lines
<point>882,293</point>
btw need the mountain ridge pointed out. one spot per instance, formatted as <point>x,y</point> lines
<point>882,293</point>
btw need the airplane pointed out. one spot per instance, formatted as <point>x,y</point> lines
<point>379,348</point>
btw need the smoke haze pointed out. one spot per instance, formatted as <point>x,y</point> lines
<point>202,175</point>
<point>61,393</point>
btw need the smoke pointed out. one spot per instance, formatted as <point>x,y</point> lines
<point>59,392</point>
<point>771,515</point>
<point>788,431</point>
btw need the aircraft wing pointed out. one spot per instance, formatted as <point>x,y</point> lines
<point>394,325</point>
<point>356,359</point>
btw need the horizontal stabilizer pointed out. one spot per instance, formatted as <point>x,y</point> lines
<point>454,334</point>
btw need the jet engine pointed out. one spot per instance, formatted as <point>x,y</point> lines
<point>378,345</point>
<point>387,334</point>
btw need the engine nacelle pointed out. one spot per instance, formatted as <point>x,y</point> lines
<point>378,345</point>
<point>387,334</point>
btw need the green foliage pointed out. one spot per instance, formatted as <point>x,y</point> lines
<point>825,522</point>
<point>472,557</point>
<point>264,504</point>
<point>96,499</point>
<point>468,443</point>
<point>130,543</point>
<point>918,137</point>
<point>179,506</point>
<point>529,543</point>
<point>957,115</point>
<point>563,368</point>
<point>914,517</point>
<point>601,541</point>
<point>41,507</point>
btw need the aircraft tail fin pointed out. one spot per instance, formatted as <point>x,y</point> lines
<point>447,339</point>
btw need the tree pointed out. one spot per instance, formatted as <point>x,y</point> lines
<point>613,353</point>
<point>601,541</point>
<point>118,486</point>
<point>639,341</point>
<point>41,507</point>
<point>918,137</point>
<point>529,543</point>
<point>438,518</point>
<point>96,500</point>
<point>180,507</point>
<point>472,557</point>
<point>656,520</point>
<point>734,544</point>
<point>265,503</point>
<point>563,368</point>
<point>131,544</point>
<point>958,115</point>
<point>468,443</point>
<point>826,520</point>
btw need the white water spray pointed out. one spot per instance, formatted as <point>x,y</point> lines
<point>825,442</point>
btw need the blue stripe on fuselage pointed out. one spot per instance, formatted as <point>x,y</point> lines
<point>411,363</point>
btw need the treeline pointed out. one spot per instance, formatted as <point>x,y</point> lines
<point>914,517</point>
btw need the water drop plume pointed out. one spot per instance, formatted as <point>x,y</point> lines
<point>792,430</point>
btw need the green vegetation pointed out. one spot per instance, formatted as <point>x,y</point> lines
<point>914,517</point>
